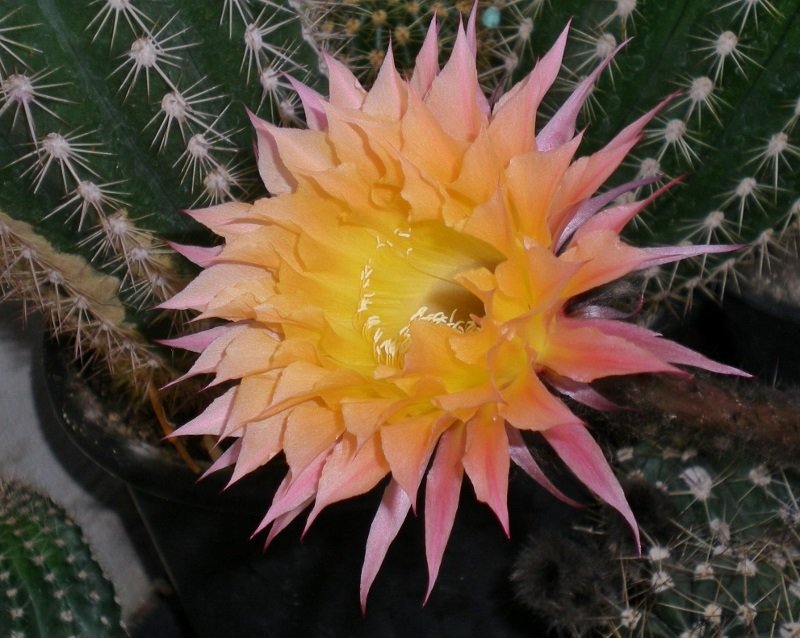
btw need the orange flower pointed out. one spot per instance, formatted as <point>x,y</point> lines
<point>399,304</point>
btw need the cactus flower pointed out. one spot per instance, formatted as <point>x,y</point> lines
<point>400,305</point>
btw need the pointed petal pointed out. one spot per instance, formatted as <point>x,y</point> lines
<point>344,88</point>
<point>455,97</point>
<point>300,151</point>
<point>663,348</point>
<point>203,256</point>
<point>585,354</point>
<point>274,173</point>
<point>226,459</point>
<point>197,341</point>
<point>407,446</point>
<point>310,431</point>
<point>294,490</point>
<point>561,126</point>
<point>426,66</point>
<point>312,105</point>
<point>284,520</point>
<point>582,455</point>
<point>208,283</point>
<point>443,487</point>
<point>667,254</point>
<point>385,526</point>
<point>348,472</point>
<point>211,420</point>
<point>261,442</point>
<point>486,462</point>
<point>472,33</point>
<point>216,217</point>
<point>387,97</point>
<point>581,392</point>
<point>591,207</point>
<point>522,457</point>
<point>514,118</point>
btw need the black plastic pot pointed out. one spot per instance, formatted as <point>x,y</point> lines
<point>227,584</point>
<point>764,335</point>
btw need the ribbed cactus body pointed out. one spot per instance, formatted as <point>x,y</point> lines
<point>114,116</point>
<point>51,585</point>
<point>720,555</point>
<point>728,564</point>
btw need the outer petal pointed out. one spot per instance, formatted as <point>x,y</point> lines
<point>654,343</point>
<point>454,95</point>
<point>407,446</point>
<point>486,462</point>
<point>387,97</point>
<point>202,256</point>
<point>514,117</point>
<point>441,498</point>
<point>522,457</point>
<point>426,66</point>
<point>387,522</point>
<point>345,89</point>
<point>294,491</point>
<point>582,455</point>
<point>561,126</point>
<point>349,471</point>
<point>585,354</point>
<point>212,420</point>
<point>312,105</point>
<point>208,283</point>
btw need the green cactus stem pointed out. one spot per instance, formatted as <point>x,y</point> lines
<point>51,585</point>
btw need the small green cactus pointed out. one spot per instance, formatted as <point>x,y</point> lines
<point>51,585</point>
<point>730,566</point>
<point>114,116</point>
<point>720,554</point>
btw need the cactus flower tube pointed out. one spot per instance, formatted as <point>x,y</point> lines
<point>400,305</point>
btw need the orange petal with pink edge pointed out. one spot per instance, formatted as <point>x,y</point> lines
<point>261,442</point>
<point>343,87</point>
<point>442,491</point>
<point>530,199</point>
<point>253,397</point>
<point>486,462</point>
<point>581,454</point>
<point>385,526</point>
<point>310,429</point>
<point>426,66</point>
<point>312,105</point>
<point>454,95</point>
<point>513,121</point>
<point>212,420</point>
<point>407,446</point>
<point>585,354</point>
<point>387,97</point>
<point>248,352</point>
<point>222,217</point>
<point>350,470</point>
<point>211,282</point>
<point>426,146</point>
